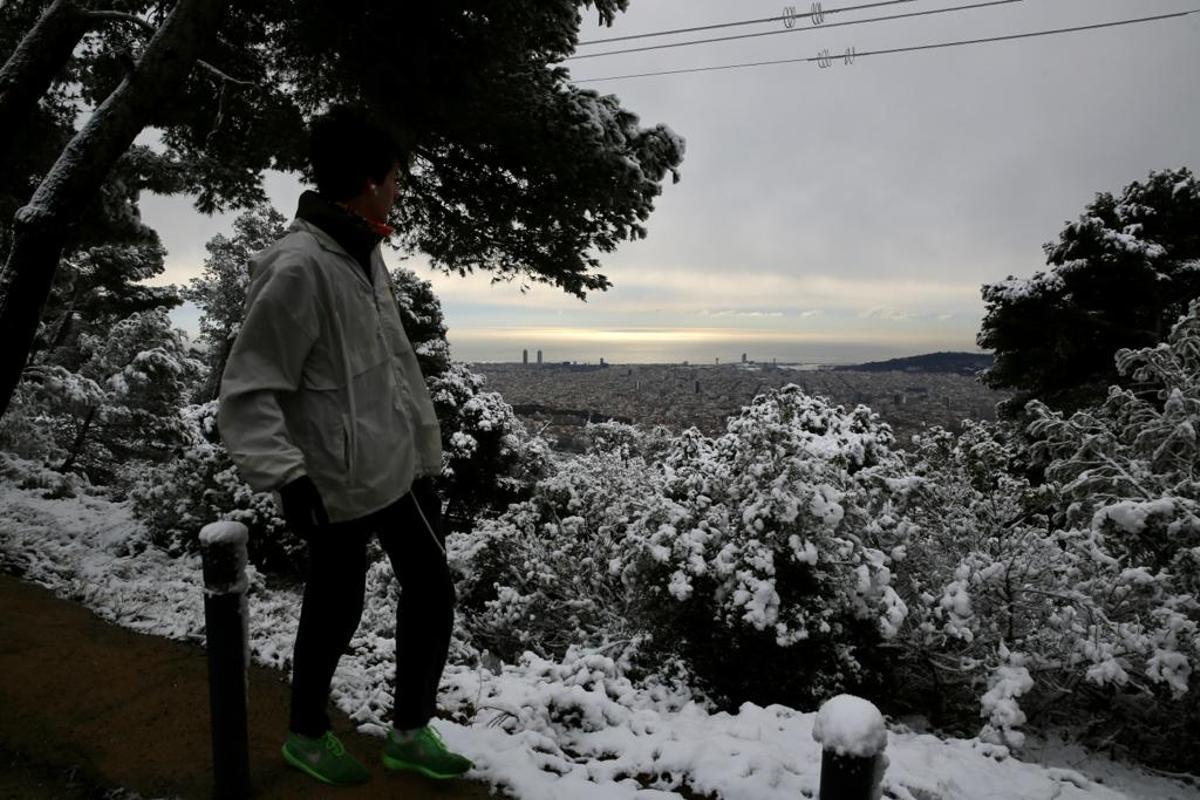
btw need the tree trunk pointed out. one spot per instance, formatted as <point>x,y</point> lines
<point>80,438</point>
<point>34,64</point>
<point>75,178</point>
<point>212,386</point>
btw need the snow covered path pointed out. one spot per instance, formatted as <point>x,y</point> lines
<point>538,729</point>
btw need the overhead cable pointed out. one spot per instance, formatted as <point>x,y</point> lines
<point>780,18</point>
<point>795,30</point>
<point>825,57</point>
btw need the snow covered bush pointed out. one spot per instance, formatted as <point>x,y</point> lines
<point>772,545</point>
<point>979,564</point>
<point>26,474</point>
<point>769,545</point>
<point>47,396</point>
<point>625,440</point>
<point>489,458</point>
<point>200,485</point>
<point>540,576</point>
<point>1078,597</point>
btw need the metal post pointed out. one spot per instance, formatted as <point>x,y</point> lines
<point>853,738</point>
<point>223,547</point>
<point>850,777</point>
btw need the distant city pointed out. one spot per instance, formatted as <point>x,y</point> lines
<point>487,346</point>
<point>560,398</point>
<point>540,360</point>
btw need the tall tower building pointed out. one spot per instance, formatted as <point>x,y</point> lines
<point>539,357</point>
<point>524,356</point>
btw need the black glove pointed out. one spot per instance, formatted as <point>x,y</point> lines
<point>303,508</point>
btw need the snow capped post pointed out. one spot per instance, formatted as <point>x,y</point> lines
<point>223,547</point>
<point>853,737</point>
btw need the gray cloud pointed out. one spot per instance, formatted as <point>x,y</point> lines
<point>883,193</point>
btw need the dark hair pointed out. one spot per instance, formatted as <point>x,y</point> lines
<point>347,147</point>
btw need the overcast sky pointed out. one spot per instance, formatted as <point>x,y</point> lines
<point>836,214</point>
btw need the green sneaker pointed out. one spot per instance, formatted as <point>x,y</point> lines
<point>325,759</point>
<point>425,753</point>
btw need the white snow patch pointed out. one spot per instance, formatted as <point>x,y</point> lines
<point>850,726</point>
<point>224,532</point>
<point>539,729</point>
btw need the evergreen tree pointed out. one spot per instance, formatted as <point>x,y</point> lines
<point>111,399</point>
<point>1120,276</point>
<point>421,314</point>
<point>220,290</point>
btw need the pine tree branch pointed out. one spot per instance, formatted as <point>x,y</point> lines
<point>147,27</point>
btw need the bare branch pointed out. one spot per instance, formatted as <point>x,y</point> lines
<point>223,75</point>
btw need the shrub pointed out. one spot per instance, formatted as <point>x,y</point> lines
<point>200,485</point>
<point>767,543</point>
<point>1078,598</point>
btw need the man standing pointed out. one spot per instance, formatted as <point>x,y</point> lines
<point>322,401</point>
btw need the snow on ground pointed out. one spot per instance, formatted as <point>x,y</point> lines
<point>540,729</point>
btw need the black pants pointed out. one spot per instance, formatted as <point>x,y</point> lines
<point>333,604</point>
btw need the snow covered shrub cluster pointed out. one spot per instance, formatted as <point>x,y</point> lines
<point>539,576</point>
<point>489,458</point>
<point>1080,595</point>
<point>975,580</point>
<point>769,545</point>
<point>114,399</point>
<point>201,485</point>
<point>773,545</point>
<point>50,483</point>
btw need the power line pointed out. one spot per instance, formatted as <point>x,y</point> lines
<point>781,18</point>
<point>794,30</point>
<point>896,49</point>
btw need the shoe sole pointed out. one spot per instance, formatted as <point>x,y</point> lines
<point>395,764</point>
<point>307,770</point>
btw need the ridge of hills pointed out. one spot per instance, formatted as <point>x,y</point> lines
<point>969,364</point>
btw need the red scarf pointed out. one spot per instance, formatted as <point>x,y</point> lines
<point>377,226</point>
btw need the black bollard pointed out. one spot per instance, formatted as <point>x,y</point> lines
<point>223,547</point>
<point>853,738</point>
<point>850,777</point>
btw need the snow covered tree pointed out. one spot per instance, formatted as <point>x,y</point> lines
<point>1120,276</point>
<point>120,404</point>
<point>516,171</point>
<point>421,314</point>
<point>489,459</point>
<point>541,576</point>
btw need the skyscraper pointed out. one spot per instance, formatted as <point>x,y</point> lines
<point>524,356</point>
<point>539,357</point>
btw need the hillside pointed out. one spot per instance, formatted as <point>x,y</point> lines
<point>969,364</point>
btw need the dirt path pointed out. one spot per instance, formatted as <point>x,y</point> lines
<point>87,707</point>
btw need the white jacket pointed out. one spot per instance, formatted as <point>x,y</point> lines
<point>322,380</point>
